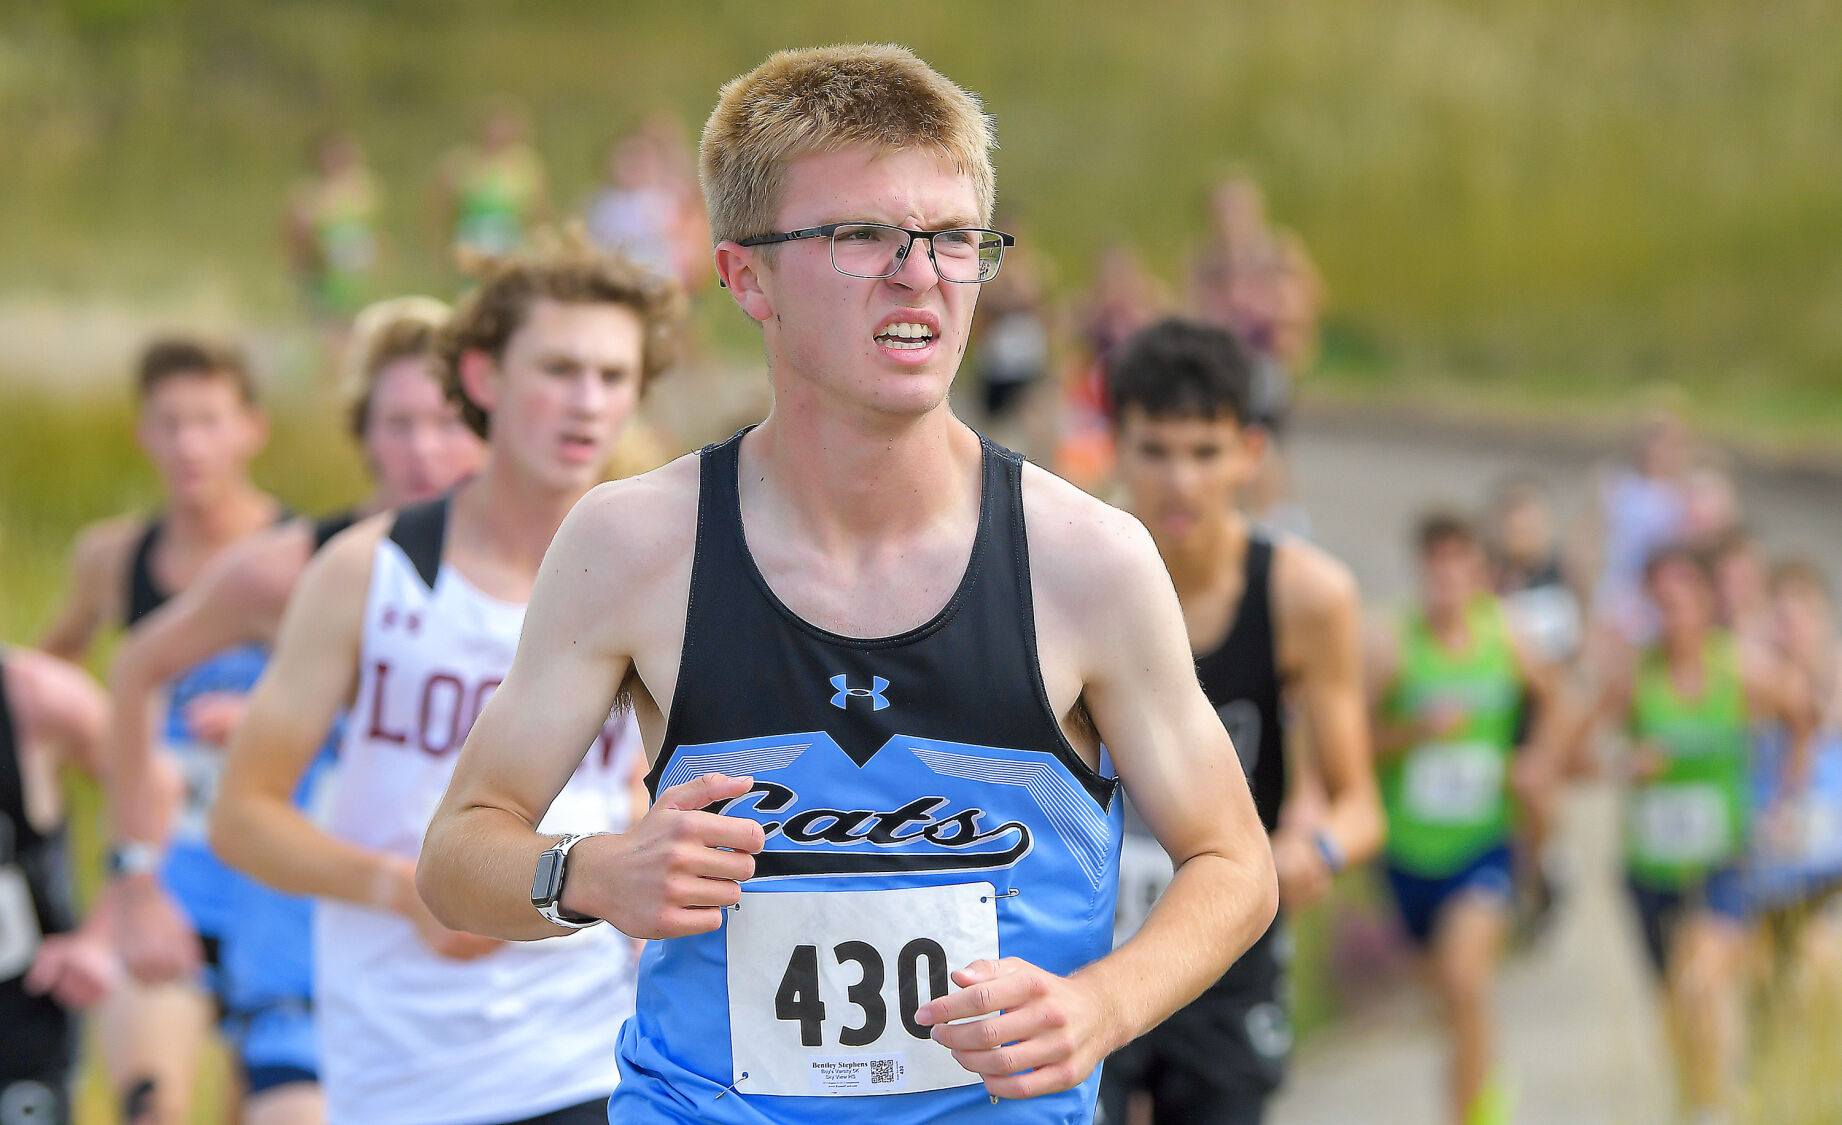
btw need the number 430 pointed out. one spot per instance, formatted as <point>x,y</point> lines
<point>798,1000</point>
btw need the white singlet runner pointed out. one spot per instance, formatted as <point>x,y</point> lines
<point>406,1035</point>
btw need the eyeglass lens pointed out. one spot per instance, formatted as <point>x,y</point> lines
<point>874,250</point>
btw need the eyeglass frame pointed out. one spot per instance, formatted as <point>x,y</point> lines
<point>1005,242</point>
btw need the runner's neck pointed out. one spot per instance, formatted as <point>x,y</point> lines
<point>506,517</point>
<point>842,482</point>
<point>219,522</point>
<point>1214,557</point>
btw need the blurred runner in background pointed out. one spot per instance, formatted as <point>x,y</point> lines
<point>490,194</point>
<point>416,447</point>
<point>649,207</point>
<point>52,717</point>
<point>332,236</point>
<point>1687,703</point>
<point>1275,624</point>
<point>1450,680</point>
<point>409,619</point>
<point>200,425</point>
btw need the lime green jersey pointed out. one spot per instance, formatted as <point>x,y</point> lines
<point>1692,817</point>
<point>1447,800</point>
<point>495,195</point>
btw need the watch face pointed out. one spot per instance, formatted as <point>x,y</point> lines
<point>549,879</point>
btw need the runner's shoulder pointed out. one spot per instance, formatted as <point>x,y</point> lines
<point>103,547</point>
<point>637,528</point>
<point>1312,587</point>
<point>1083,548</point>
<point>344,564</point>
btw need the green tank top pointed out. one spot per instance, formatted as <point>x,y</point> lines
<point>1692,818</point>
<point>494,195</point>
<point>344,230</point>
<point>1447,800</point>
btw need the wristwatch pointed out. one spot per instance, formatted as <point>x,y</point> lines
<point>547,887</point>
<point>133,857</point>
<point>1332,852</point>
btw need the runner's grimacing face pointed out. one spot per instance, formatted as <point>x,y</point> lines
<point>415,442</point>
<point>832,331</point>
<point>1181,474</point>
<point>564,389</point>
<point>200,436</point>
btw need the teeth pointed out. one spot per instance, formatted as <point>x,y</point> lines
<point>905,330</point>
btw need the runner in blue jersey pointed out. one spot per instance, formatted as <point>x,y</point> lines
<point>416,447</point>
<point>199,423</point>
<point>874,658</point>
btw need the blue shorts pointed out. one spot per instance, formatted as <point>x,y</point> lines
<point>1721,893</point>
<point>275,1044</point>
<point>1421,898</point>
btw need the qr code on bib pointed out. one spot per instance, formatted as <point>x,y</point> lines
<point>882,1072</point>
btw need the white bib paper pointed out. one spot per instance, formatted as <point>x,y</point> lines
<point>823,986</point>
<point>1144,871</point>
<point>1681,823</point>
<point>1453,782</point>
<point>202,768</point>
<point>19,936</point>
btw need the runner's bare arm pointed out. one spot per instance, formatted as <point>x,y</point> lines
<point>62,717</point>
<point>60,710</point>
<point>237,599</point>
<point>1381,662</point>
<point>613,584</point>
<point>98,575</point>
<point>1320,622</point>
<point>1107,614</point>
<point>1775,690</point>
<point>309,679</point>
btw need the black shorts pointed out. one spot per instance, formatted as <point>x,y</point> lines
<point>1218,1060</point>
<point>38,1057</point>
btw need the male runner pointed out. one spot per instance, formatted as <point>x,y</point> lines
<point>884,653</point>
<point>1270,622</point>
<point>200,425</point>
<point>410,620</point>
<point>51,716</point>
<point>416,447</point>
<point>1450,680</point>
<point>1687,703</point>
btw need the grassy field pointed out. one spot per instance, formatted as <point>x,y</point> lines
<point>1533,193</point>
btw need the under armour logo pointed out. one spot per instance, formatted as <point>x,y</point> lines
<point>874,693</point>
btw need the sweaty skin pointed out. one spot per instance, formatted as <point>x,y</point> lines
<point>859,499</point>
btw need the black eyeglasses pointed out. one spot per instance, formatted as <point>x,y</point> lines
<point>963,255</point>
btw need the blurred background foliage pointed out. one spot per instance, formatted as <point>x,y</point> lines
<point>1557,199</point>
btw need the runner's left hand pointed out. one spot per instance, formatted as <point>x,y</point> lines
<point>210,717</point>
<point>78,970</point>
<point>1045,1033</point>
<point>1304,878</point>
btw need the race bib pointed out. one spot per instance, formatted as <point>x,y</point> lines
<point>1144,871</point>
<point>1454,782</point>
<point>19,936</point>
<point>1681,823</point>
<point>824,986</point>
<point>202,769</point>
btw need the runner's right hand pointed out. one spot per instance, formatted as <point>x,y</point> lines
<point>156,940</point>
<point>671,874</point>
<point>400,895</point>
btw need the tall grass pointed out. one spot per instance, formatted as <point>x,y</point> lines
<point>1550,191</point>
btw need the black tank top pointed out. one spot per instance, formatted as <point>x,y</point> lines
<point>751,667</point>
<point>33,1027</point>
<point>328,526</point>
<point>145,596</point>
<point>1241,678</point>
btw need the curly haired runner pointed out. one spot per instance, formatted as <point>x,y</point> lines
<point>874,658</point>
<point>409,620</point>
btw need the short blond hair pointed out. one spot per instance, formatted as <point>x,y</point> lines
<point>822,99</point>
<point>382,333</point>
